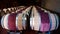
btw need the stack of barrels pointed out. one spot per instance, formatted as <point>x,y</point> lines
<point>33,18</point>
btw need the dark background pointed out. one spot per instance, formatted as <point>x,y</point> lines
<point>13,3</point>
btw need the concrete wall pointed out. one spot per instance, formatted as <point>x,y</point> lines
<point>53,5</point>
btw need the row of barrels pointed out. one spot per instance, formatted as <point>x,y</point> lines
<point>36,18</point>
